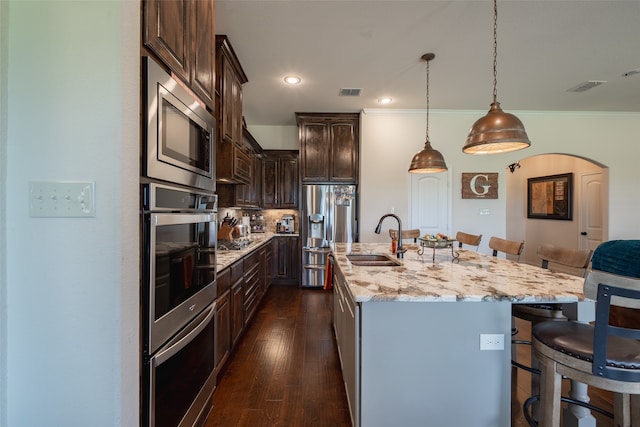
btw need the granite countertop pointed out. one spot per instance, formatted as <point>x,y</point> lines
<point>227,257</point>
<point>473,277</point>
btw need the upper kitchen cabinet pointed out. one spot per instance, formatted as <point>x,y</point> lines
<point>233,156</point>
<point>329,146</point>
<point>280,179</point>
<point>245,195</point>
<point>181,33</point>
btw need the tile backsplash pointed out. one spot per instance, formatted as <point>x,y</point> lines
<point>270,217</point>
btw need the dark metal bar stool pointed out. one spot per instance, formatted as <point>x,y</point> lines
<point>603,356</point>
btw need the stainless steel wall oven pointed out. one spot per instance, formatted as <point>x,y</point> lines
<point>178,303</point>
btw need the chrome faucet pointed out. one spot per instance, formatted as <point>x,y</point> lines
<point>400,249</point>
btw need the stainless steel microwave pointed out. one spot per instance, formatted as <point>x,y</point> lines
<point>179,134</point>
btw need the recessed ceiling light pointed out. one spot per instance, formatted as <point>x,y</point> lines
<point>385,100</point>
<point>292,80</point>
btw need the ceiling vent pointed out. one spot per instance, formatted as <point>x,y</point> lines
<point>586,85</point>
<point>350,92</point>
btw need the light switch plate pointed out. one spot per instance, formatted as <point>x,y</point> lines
<point>61,199</point>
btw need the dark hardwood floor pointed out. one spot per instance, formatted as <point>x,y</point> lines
<point>285,371</point>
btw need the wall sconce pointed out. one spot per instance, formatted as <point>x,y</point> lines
<point>513,166</point>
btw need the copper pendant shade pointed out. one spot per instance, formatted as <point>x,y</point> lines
<point>497,131</point>
<point>428,160</point>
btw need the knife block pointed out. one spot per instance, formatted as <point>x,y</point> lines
<point>225,232</point>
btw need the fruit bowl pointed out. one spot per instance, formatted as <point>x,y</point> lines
<point>435,243</point>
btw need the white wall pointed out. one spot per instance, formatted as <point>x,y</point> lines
<point>535,231</point>
<point>70,334</point>
<point>390,138</point>
<point>276,137</point>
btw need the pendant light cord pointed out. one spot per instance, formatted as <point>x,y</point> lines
<point>495,51</point>
<point>427,131</point>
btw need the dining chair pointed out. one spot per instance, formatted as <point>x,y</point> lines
<point>510,247</point>
<point>468,239</point>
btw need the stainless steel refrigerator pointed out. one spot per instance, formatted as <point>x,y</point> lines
<point>328,215</point>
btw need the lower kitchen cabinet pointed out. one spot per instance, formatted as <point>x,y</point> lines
<point>241,287</point>
<point>268,265</point>
<point>252,285</point>
<point>346,319</point>
<point>237,302</point>
<point>223,330</point>
<point>286,260</point>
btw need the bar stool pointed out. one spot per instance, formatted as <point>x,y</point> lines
<point>468,239</point>
<point>406,234</point>
<point>510,247</point>
<point>572,259</point>
<point>606,355</point>
<point>575,259</point>
<point>602,356</point>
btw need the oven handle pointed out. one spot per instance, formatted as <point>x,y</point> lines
<point>181,218</point>
<point>185,337</point>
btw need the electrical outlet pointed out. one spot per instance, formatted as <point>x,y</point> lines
<point>491,341</point>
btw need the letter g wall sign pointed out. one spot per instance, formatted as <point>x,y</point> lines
<point>480,185</point>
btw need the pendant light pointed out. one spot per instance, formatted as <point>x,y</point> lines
<point>428,160</point>
<point>497,132</point>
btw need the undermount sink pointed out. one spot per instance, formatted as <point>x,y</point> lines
<point>373,260</point>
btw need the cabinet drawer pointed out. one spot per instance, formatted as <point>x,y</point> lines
<point>236,271</point>
<point>224,280</point>
<point>243,165</point>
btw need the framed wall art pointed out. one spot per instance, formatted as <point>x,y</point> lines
<point>479,185</point>
<point>550,197</point>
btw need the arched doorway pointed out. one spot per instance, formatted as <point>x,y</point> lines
<point>589,197</point>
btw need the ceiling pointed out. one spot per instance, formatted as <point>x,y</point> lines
<point>545,47</point>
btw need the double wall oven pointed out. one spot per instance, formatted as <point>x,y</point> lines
<point>179,233</point>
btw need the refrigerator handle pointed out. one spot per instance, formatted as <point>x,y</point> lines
<point>330,208</point>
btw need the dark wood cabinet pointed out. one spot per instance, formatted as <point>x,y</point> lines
<point>233,155</point>
<point>237,302</point>
<point>268,265</point>
<point>252,285</point>
<point>180,33</point>
<point>280,185</point>
<point>329,147</point>
<point>223,330</point>
<point>245,195</point>
<point>286,260</point>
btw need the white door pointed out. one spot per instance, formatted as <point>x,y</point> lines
<point>592,210</point>
<point>430,203</point>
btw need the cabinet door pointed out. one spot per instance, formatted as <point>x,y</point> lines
<point>237,311</point>
<point>288,175</point>
<point>269,182</point>
<point>286,260</point>
<point>166,33</point>
<point>203,77</point>
<point>229,85</point>
<point>223,330</point>
<point>314,151</point>
<point>344,151</point>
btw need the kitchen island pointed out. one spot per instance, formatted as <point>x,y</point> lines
<point>409,336</point>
